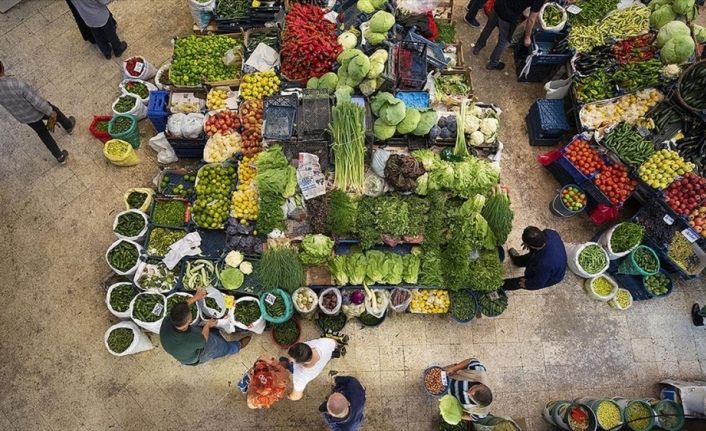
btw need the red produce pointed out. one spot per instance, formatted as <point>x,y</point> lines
<point>223,122</point>
<point>586,159</point>
<point>252,114</point>
<point>615,183</point>
<point>686,193</point>
<point>131,64</point>
<point>697,220</point>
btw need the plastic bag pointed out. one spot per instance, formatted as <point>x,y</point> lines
<point>417,6</point>
<point>165,152</point>
<point>258,326</point>
<point>143,69</point>
<point>150,326</point>
<point>402,306</point>
<point>174,123</point>
<point>146,205</point>
<point>335,309</point>
<point>202,13</point>
<point>120,153</point>
<point>208,312</point>
<point>556,28</point>
<point>382,298</point>
<point>157,78</point>
<point>603,213</point>
<point>572,258</point>
<point>141,234</point>
<point>124,315</point>
<point>192,125</point>
<point>557,89</point>
<point>380,157</point>
<point>547,159</point>
<point>139,110</point>
<point>140,341</point>
<point>150,87</point>
<point>233,56</point>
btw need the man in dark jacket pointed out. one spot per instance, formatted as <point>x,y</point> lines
<point>344,408</point>
<point>545,263</point>
<point>97,17</point>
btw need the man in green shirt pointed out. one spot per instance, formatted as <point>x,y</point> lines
<point>192,346</point>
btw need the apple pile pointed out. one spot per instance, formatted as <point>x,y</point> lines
<point>222,122</point>
<point>686,193</point>
<point>697,220</point>
<point>252,114</point>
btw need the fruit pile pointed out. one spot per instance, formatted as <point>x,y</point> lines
<point>628,108</point>
<point>252,114</point>
<point>214,183</point>
<point>430,301</point>
<point>199,58</point>
<point>615,183</point>
<point>259,85</point>
<point>586,159</point>
<point>222,147</point>
<point>662,168</point>
<point>244,201</point>
<point>686,193</point>
<point>697,220</point>
<point>216,98</point>
<point>573,198</point>
<point>222,122</point>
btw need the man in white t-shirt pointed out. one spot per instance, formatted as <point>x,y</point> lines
<point>310,359</point>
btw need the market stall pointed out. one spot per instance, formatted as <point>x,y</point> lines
<point>338,167</point>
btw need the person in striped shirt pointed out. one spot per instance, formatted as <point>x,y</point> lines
<point>467,382</point>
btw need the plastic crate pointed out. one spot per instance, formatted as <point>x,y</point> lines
<point>314,113</point>
<point>284,100</point>
<point>158,109</point>
<point>535,136</point>
<point>411,65</point>
<point>188,148</point>
<point>318,147</point>
<point>545,43</point>
<point>414,99</point>
<point>213,242</point>
<point>434,52</point>
<point>538,72</point>
<point>279,122</point>
<point>548,118</point>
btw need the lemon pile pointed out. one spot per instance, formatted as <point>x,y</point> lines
<point>245,197</point>
<point>259,85</point>
<point>430,301</point>
<point>662,168</point>
<point>216,99</point>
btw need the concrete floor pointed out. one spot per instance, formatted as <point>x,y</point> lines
<point>56,374</point>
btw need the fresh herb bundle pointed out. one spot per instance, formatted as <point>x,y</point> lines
<point>280,268</point>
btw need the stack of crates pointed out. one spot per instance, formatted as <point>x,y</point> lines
<point>546,122</point>
<point>549,55</point>
<point>158,109</point>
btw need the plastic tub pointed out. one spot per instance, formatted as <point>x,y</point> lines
<point>287,346</point>
<point>132,135</point>
<point>443,377</point>
<point>557,206</point>
<point>629,266</point>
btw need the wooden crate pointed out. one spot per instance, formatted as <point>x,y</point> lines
<point>229,82</point>
<point>466,72</point>
<point>444,10</point>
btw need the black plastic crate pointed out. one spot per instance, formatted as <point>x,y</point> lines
<point>318,147</point>
<point>535,137</point>
<point>411,59</point>
<point>548,118</point>
<point>279,122</point>
<point>213,242</point>
<point>547,44</point>
<point>188,148</point>
<point>538,72</point>
<point>314,113</point>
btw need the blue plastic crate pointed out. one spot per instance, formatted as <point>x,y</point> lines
<point>535,137</point>
<point>414,99</point>
<point>569,170</point>
<point>544,42</point>
<point>157,109</point>
<point>548,118</point>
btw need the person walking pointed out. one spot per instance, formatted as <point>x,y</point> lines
<point>472,12</point>
<point>97,17</point>
<point>192,346</point>
<point>545,262</point>
<point>310,359</point>
<point>28,107</point>
<point>467,383</point>
<point>505,16</point>
<point>344,408</point>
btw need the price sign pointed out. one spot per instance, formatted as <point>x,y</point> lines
<point>157,310</point>
<point>139,67</point>
<point>668,219</point>
<point>270,298</point>
<point>444,379</point>
<point>573,9</point>
<point>494,296</point>
<point>690,234</point>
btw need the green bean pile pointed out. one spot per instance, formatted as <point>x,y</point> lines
<point>136,199</point>
<point>120,339</point>
<point>121,296</point>
<point>129,224</point>
<point>169,213</point>
<point>593,259</point>
<point>246,312</point>
<point>277,307</point>
<point>145,304</point>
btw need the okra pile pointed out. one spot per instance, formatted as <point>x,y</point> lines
<point>129,224</point>
<point>123,256</point>
<point>146,309</point>
<point>120,339</point>
<point>121,296</point>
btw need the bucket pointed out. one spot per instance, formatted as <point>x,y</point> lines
<point>629,266</point>
<point>288,308</point>
<point>611,413</point>
<point>635,423</point>
<point>670,415</point>
<point>554,411</point>
<point>131,135</point>
<point>454,297</point>
<point>140,341</point>
<point>590,416</point>
<point>558,208</point>
<point>286,346</point>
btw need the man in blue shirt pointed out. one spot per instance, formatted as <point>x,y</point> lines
<point>343,410</point>
<point>545,263</point>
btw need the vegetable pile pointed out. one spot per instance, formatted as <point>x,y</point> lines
<point>635,49</point>
<point>316,249</point>
<point>646,260</point>
<point>331,323</point>
<point>593,259</point>
<point>552,15</point>
<point>393,116</point>
<point>169,212</point>
<point>252,114</point>
<point>463,306</point>
<point>244,198</point>
<point>123,256</point>
<point>481,124</point>
<point>124,104</point>
<point>617,24</point>
<point>638,415</point>
<point>259,85</point>
<point>199,273</point>
<point>657,284</point>
<point>578,418</point>
<point>498,214</point>
<point>120,339</point>
<point>627,143</point>
<point>213,187</point>
<point>573,198</point>
<point>447,31</point>
<point>156,276</point>
<point>584,157</point>
<point>675,42</point>
<point>286,334</point>
<point>634,76</point>
<point>596,86</point>
<point>309,45</point>
<point>430,301</point>
<point>121,296</point>
<point>686,193</point>
<point>432,381</point>
<point>160,239</point>
<point>137,88</point>
<point>280,268</point>
<point>691,87</point>
<point>609,415</point>
<point>601,286</point>
<point>402,171</point>
<point>626,236</point>
<point>121,125</point>
<point>622,299</point>
<point>212,305</point>
<point>615,183</point>
<point>134,65</point>
<point>348,146</point>
<point>231,9</point>
<point>148,307</point>
<point>682,253</point>
<point>246,312</point>
<point>485,274</point>
<point>136,199</point>
<point>129,224</point>
<point>276,180</point>
<point>628,108</point>
<point>197,59</point>
<point>493,304</point>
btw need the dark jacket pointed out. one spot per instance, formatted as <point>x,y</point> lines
<point>546,267</point>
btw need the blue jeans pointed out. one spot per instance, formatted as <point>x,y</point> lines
<point>217,347</point>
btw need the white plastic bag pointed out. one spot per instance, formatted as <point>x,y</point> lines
<point>572,258</point>
<point>145,267</point>
<point>150,326</point>
<point>339,300</point>
<point>137,237</point>
<point>124,315</point>
<point>202,12</point>
<point>402,306</point>
<point>258,326</point>
<point>123,88</point>
<point>165,152</point>
<point>604,240</point>
<point>380,157</point>
<point>589,282</point>
<point>174,123</point>
<point>305,311</point>
<point>192,126</point>
<point>210,313</point>
<point>145,72</point>
<point>138,111</point>
<point>382,299</point>
<point>196,319</point>
<point>557,89</point>
<point>557,28</point>
<point>140,341</point>
<point>137,263</point>
<point>163,69</point>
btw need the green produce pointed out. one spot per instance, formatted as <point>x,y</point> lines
<point>368,319</point>
<point>121,296</point>
<point>156,276</point>
<point>148,307</point>
<point>638,416</point>
<point>212,304</point>
<point>661,16</point>
<point>626,236</point>
<point>692,85</point>
<point>452,85</point>
<point>552,15</point>
<point>276,309</point>
<point>375,268</point>
<point>409,122</point>
<point>246,312</point>
<point>431,270</point>
<point>342,212</point>
<point>498,214</point>
<point>280,268</point>
<point>412,264</point>
<point>176,299</point>
<point>120,339</point>
<point>129,224</point>
<point>356,266</point>
<point>123,256</point>
<point>121,125</point>
<point>436,225</point>
<point>699,33</point>
<point>231,278</point>
<point>427,120</point>
<point>596,86</point>
<point>316,249</point>
<point>117,148</point>
<point>136,199</point>
<point>602,286</point>
<point>593,259</point>
<point>463,306</point>
<point>592,11</point>
<point>125,104</point>
<point>137,88</point>
<point>493,304</point>
<point>645,259</point>
<point>102,126</point>
<point>337,267</point>
<point>332,323</point>
<point>198,59</point>
<point>657,284</point>
<point>160,239</point>
<point>380,215</point>
<point>485,274</point>
<point>670,31</point>
<point>394,267</point>
<point>348,146</point>
<point>609,415</point>
<point>348,40</point>
<point>214,184</point>
<point>634,76</point>
<point>584,38</point>
<point>287,333</point>
<point>447,31</point>
<point>617,24</point>
<point>683,7</point>
<point>388,108</point>
<point>381,22</point>
<point>169,212</point>
<point>231,9</point>
<point>627,143</point>
<point>677,50</point>
<point>270,213</point>
<point>455,260</point>
<point>199,274</point>
<point>465,178</point>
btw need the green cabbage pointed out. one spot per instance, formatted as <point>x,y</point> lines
<point>655,4</point>
<point>375,269</point>
<point>365,6</point>
<point>427,120</point>
<point>358,67</point>
<point>368,86</point>
<point>409,122</point>
<point>381,22</point>
<point>671,30</point>
<point>374,38</point>
<point>382,130</point>
<point>682,7</point>
<point>348,54</point>
<point>376,69</point>
<point>337,267</point>
<point>378,4</point>
<point>393,113</point>
<point>312,83</point>
<point>410,274</point>
<point>231,278</point>
<point>328,81</point>
<point>379,56</point>
<point>662,16</point>
<point>356,264</point>
<point>316,249</point>
<point>380,100</point>
<point>677,50</point>
<point>343,94</point>
<point>699,33</point>
<point>451,409</point>
<point>347,39</point>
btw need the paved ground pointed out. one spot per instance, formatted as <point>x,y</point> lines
<point>556,344</point>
